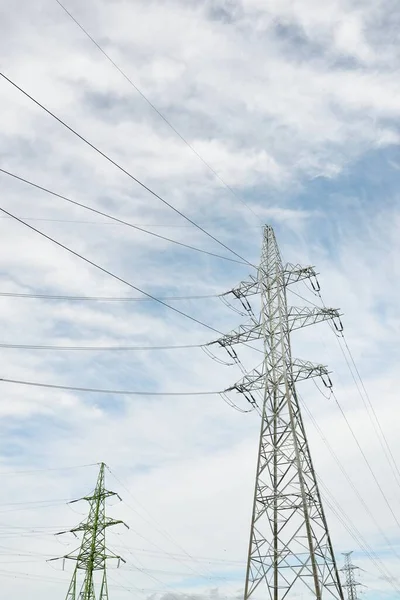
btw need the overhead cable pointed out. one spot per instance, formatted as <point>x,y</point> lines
<point>118,166</point>
<point>99,348</point>
<point>375,422</point>
<point>357,536</point>
<point>45,469</point>
<point>93,264</point>
<point>120,221</point>
<point>106,298</point>
<point>159,113</point>
<point>107,272</point>
<point>366,460</point>
<point>366,400</point>
<point>348,478</point>
<point>103,391</point>
<point>379,429</point>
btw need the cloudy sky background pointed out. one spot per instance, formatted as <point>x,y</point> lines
<point>296,107</point>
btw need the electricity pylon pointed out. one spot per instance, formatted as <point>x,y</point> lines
<point>351,583</point>
<point>290,548</point>
<point>92,554</point>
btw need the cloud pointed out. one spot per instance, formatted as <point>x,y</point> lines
<point>295,106</point>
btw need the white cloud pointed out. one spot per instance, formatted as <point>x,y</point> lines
<point>277,100</point>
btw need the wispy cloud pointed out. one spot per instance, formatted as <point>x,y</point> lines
<point>295,106</point>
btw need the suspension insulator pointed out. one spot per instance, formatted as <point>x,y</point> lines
<point>231,352</point>
<point>338,324</point>
<point>315,284</point>
<point>246,304</point>
<point>326,380</point>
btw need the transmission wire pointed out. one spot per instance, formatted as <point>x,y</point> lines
<point>366,459</point>
<point>120,221</point>
<point>165,534</point>
<point>371,405</point>
<point>386,450</point>
<point>129,80</point>
<point>107,298</point>
<point>355,534</point>
<point>119,278</point>
<point>380,434</point>
<point>98,348</point>
<point>54,241</point>
<point>103,391</point>
<point>347,476</point>
<point>118,166</point>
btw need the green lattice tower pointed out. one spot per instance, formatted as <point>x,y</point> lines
<point>93,555</point>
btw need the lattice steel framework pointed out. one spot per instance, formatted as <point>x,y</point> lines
<point>93,554</point>
<point>349,571</point>
<point>290,550</point>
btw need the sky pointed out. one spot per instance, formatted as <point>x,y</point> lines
<point>236,113</point>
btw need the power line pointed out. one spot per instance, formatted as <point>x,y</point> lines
<point>118,166</point>
<point>93,264</point>
<point>103,391</point>
<point>117,220</point>
<point>165,226</point>
<point>366,460</point>
<point>26,471</point>
<point>372,408</point>
<point>347,477</point>
<point>180,312</point>
<point>107,298</point>
<point>159,113</point>
<point>99,348</point>
<point>349,526</point>
<point>356,535</point>
<point>366,400</point>
<point>157,527</point>
<point>375,422</point>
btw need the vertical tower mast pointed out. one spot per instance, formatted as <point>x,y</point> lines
<point>92,554</point>
<point>351,583</point>
<point>290,550</point>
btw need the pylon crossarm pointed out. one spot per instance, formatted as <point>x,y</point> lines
<point>299,317</point>
<point>258,380</point>
<point>249,287</point>
<point>110,522</point>
<point>248,332</point>
<point>101,495</point>
<point>295,273</point>
<point>113,556</point>
<point>255,380</point>
<point>304,369</point>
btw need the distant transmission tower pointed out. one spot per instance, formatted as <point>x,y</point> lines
<point>92,554</point>
<point>290,551</point>
<point>351,583</point>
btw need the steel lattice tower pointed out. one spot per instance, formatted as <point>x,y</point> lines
<point>290,550</point>
<point>93,554</point>
<point>351,583</point>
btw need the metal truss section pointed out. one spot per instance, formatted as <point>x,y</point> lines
<point>294,273</point>
<point>304,369</point>
<point>302,317</point>
<point>258,378</point>
<point>249,287</point>
<point>297,318</point>
<point>244,333</point>
<point>290,550</point>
